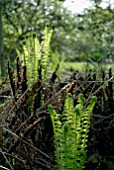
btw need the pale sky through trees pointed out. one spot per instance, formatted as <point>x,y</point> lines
<point>77,6</point>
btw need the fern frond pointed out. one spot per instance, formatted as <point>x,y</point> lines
<point>36,56</point>
<point>68,118</point>
<point>83,127</point>
<point>71,133</point>
<point>27,59</point>
<point>57,134</point>
<point>45,45</point>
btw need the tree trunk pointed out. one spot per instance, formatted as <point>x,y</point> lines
<point>2,59</point>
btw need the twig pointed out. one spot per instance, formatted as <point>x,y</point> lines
<point>94,93</point>
<point>4,167</point>
<point>6,159</point>
<point>21,139</point>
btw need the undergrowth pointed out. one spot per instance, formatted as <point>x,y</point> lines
<point>26,130</point>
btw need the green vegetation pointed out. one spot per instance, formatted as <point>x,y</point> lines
<point>36,55</point>
<point>75,36</point>
<point>26,128</point>
<point>71,133</point>
<point>53,66</point>
<point>82,66</point>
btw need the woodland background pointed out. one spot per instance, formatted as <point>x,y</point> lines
<point>77,59</point>
<point>76,37</point>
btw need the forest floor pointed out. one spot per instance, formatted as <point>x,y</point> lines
<point>26,134</point>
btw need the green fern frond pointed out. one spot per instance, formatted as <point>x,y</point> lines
<point>57,134</point>
<point>71,133</point>
<point>36,54</point>
<point>83,125</point>
<point>68,108</point>
<point>27,58</point>
<point>45,45</point>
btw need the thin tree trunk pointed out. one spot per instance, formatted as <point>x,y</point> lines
<point>2,59</point>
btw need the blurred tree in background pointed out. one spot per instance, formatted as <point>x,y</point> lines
<point>98,24</point>
<point>1,44</point>
<point>76,36</point>
<point>23,17</point>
